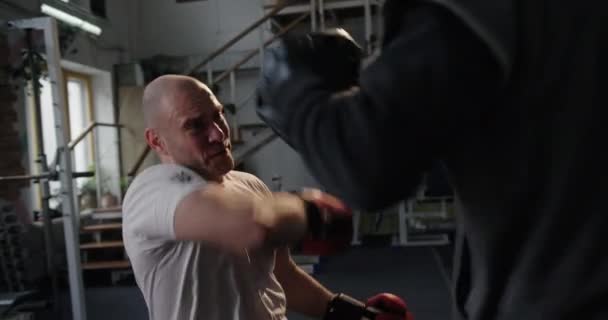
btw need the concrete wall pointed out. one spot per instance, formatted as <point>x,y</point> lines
<point>132,138</point>
<point>193,28</point>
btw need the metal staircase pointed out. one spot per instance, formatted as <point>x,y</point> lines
<point>279,18</point>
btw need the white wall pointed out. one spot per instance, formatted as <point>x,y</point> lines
<point>278,159</point>
<point>193,28</point>
<point>107,138</point>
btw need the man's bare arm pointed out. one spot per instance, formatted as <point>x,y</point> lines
<point>235,221</point>
<point>304,294</point>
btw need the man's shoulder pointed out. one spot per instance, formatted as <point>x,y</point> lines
<point>248,179</point>
<point>162,176</point>
<point>167,172</point>
<point>243,176</point>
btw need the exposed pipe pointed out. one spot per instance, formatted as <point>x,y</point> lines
<point>72,144</point>
<point>52,175</point>
<point>45,191</point>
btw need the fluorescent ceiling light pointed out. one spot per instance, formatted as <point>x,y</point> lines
<point>70,19</point>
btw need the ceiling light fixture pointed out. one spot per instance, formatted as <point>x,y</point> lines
<point>70,19</point>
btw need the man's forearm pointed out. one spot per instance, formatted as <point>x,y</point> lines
<point>304,294</point>
<point>284,218</point>
<point>235,221</point>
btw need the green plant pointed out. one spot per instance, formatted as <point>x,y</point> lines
<point>90,184</point>
<point>124,184</point>
<point>34,65</point>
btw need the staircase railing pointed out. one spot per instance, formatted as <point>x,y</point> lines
<point>268,42</point>
<point>280,6</point>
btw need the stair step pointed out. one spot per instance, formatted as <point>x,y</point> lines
<point>106,210</point>
<point>102,245</point>
<point>102,227</point>
<point>103,213</point>
<point>101,265</point>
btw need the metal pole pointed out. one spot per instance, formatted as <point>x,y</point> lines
<point>232,87</point>
<point>356,228</point>
<point>234,124</point>
<point>209,75</point>
<point>45,192</point>
<point>139,162</point>
<point>322,14</point>
<point>403,238</point>
<point>261,50</point>
<point>46,176</point>
<point>70,215</point>
<point>118,147</point>
<point>96,152</point>
<point>380,24</point>
<point>368,26</point>
<point>313,15</point>
<point>261,45</point>
<point>88,129</point>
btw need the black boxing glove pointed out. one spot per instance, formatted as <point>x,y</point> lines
<point>327,61</point>
<point>332,55</point>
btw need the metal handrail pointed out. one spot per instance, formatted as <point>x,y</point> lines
<point>255,52</point>
<point>52,175</point>
<point>282,5</point>
<point>139,162</point>
<point>72,144</point>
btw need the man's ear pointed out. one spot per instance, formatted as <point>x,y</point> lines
<point>155,142</point>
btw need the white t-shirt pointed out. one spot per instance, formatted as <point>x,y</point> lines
<point>187,280</point>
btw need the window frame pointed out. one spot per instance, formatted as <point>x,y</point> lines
<point>67,74</point>
<point>31,124</point>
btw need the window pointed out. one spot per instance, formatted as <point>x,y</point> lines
<point>79,118</point>
<point>78,95</point>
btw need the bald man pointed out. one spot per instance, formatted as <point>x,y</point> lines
<point>202,238</point>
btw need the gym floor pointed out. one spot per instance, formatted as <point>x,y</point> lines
<point>419,274</point>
